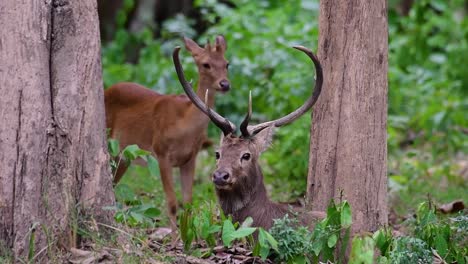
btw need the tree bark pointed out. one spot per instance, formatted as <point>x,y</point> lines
<point>348,151</point>
<point>53,158</point>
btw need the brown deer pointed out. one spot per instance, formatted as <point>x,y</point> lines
<point>169,126</point>
<point>238,178</point>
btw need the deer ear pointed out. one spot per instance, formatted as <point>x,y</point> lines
<point>192,46</point>
<point>221,43</point>
<point>263,139</point>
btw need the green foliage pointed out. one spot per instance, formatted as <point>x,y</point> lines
<point>428,88</point>
<point>362,250</point>
<point>410,250</point>
<point>430,233</point>
<point>439,234</point>
<point>204,226</point>
<point>266,243</point>
<point>230,233</point>
<point>294,241</point>
<point>328,239</point>
<point>130,209</point>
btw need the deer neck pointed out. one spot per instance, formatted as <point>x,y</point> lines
<point>197,117</point>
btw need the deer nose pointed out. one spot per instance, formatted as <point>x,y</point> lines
<point>224,85</point>
<point>220,177</point>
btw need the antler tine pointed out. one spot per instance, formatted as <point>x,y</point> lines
<point>225,125</point>
<point>307,104</point>
<point>244,125</point>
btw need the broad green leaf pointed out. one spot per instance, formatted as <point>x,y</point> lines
<point>268,237</point>
<point>346,218</point>
<point>137,216</point>
<point>113,146</point>
<point>153,166</point>
<point>440,244</point>
<point>247,222</point>
<point>228,229</point>
<point>317,247</point>
<point>362,251</point>
<point>332,240</point>
<point>243,232</point>
<point>152,212</point>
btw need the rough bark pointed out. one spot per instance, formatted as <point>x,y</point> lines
<point>348,138</point>
<point>53,158</point>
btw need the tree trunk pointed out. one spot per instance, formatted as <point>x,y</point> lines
<point>348,138</point>
<point>53,158</point>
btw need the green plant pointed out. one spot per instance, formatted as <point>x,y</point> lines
<point>409,250</point>
<point>130,209</point>
<point>230,233</point>
<point>265,244</point>
<point>362,251</point>
<point>439,234</point>
<point>297,244</point>
<point>431,237</point>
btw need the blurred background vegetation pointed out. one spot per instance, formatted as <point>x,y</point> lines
<point>428,86</point>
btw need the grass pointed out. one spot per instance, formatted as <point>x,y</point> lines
<point>150,190</point>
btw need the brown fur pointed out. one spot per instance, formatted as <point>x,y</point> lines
<point>169,126</point>
<point>245,194</point>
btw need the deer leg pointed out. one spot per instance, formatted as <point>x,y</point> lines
<point>166,176</point>
<point>187,172</point>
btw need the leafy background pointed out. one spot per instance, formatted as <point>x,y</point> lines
<point>428,87</point>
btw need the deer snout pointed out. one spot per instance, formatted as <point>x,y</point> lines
<point>220,178</point>
<point>224,85</point>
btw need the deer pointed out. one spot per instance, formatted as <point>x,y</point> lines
<point>168,126</point>
<point>238,177</point>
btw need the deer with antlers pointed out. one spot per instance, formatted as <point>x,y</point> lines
<point>169,126</point>
<point>238,178</point>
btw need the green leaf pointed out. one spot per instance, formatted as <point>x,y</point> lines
<point>152,212</point>
<point>317,246</point>
<point>153,166</point>
<point>131,152</point>
<point>214,229</point>
<point>247,222</point>
<point>332,240</point>
<point>137,217</point>
<point>113,146</point>
<point>362,251</point>
<point>228,229</point>
<point>243,232</point>
<point>271,240</point>
<point>441,245</point>
<point>346,218</point>
<point>300,259</point>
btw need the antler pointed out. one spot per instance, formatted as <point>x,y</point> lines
<point>223,123</point>
<point>252,130</point>
<point>245,123</point>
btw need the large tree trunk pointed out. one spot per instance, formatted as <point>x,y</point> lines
<point>53,159</point>
<point>348,150</point>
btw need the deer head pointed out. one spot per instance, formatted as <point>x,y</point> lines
<point>211,64</point>
<point>237,170</point>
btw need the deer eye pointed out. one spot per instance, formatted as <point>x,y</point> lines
<point>227,66</point>
<point>246,156</point>
<point>206,65</point>
<point>217,155</point>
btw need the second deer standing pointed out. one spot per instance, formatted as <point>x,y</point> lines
<point>238,177</point>
<point>169,126</point>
